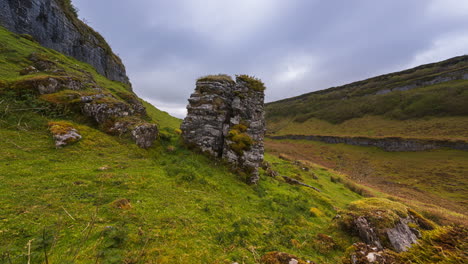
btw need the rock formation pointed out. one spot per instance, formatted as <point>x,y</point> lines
<point>386,143</point>
<point>384,227</point>
<point>63,133</point>
<point>54,25</point>
<point>121,113</point>
<point>226,120</point>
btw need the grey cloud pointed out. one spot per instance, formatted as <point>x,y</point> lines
<point>297,47</point>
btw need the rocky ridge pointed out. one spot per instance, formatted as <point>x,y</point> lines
<point>387,144</point>
<point>119,113</point>
<point>226,120</point>
<point>54,26</point>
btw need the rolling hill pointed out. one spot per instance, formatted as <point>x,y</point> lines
<point>398,129</point>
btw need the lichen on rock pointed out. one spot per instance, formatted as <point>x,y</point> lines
<point>64,133</point>
<point>226,120</point>
<point>383,226</point>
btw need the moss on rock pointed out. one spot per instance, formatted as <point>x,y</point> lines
<point>252,82</point>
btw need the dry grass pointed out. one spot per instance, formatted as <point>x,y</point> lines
<point>433,182</point>
<point>448,128</point>
<point>216,78</point>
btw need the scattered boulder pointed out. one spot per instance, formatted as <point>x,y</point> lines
<point>296,182</point>
<point>361,253</point>
<point>122,204</point>
<point>382,225</point>
<point>276,257</point>
<point>402,236</point>
<point>145,134</point>
<point>106,109</point>
<point>226,120</point>
<point>28,70</point>
<point>64,133</point>
<point>366,232</point>
<point>42,62</point>
<point>49,84</point>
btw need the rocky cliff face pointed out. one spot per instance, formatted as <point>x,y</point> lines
<point>226,120</point>
<point>53,25</point>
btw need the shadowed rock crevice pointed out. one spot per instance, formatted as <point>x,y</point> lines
<point>226,120</point>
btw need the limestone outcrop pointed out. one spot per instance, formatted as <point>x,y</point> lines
<point>386,143</point>
<point>384,227</point>
<point>63,133</point>
<point>54,25</point>
<point>121,113</point>
<point>226,120</point>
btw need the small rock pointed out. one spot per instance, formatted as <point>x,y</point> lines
<point>145,134</point>
<point>63,133</point>
<point>104,168</point>
<point>276,257</point>
<point>122,204</point>
<point>28,70</point>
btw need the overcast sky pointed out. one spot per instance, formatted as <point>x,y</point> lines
<point>294,46</point>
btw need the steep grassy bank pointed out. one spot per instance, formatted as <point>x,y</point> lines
<point>104,200</point>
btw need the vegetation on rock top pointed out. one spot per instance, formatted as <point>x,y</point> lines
<point>218,78</point>
<point>252,82</point>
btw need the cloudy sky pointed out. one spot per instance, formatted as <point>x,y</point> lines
<point>294,46</point>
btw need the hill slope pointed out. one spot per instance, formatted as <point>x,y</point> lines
<point>428,101</point>
<point>102,199</point>
<point>420,104</point>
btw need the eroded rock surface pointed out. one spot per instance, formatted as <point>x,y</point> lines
<point>56,28</point>
<point>63,133</point>
<point>226,120</point>
<point>145,134</point>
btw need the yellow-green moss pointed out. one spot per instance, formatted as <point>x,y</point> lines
<point>252,82</point>
<point>443,245</point>
<point>62,97</point>
<point>60,127</point>
<point>381,212</point>
<point>242,141</point>
<point>315,212</point>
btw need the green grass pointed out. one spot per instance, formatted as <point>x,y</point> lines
<point>185,208</point>
<point>353,108</point>
<point>439,100</point>
<point>443,128</point>
<point>164,120</point>
<point>104,200</point>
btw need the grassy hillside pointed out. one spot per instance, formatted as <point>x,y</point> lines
<point>354,109</point>
<point>104,200</point>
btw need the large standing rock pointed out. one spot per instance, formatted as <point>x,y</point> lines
<point>244,133</point>
<point>226,120</point>
<point>207,113</point>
